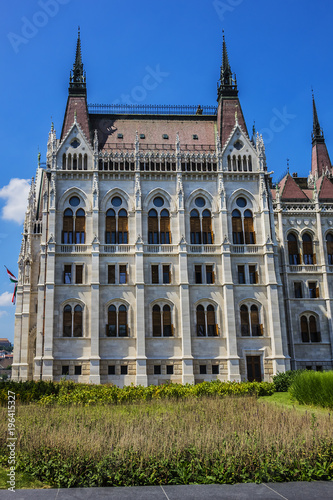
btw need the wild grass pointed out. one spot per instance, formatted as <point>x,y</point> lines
<point>313,388</point>
<point>204,440</point>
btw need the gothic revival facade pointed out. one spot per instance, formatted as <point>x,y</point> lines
<point>155,249</point>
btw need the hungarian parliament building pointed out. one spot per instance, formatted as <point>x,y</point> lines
<point>156,248</point>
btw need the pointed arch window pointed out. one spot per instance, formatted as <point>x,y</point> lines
<point>237,228</point>
<point>117,321</point>
<point>72,321</point>
<point>116,226</point>
<point>201,227</point>
<point>309,330</point>
<point>67,226</point>
<point>329,247</point>
<point>162,324</point>
<point>206,321</point>
<point>159,227</point>
<point>308,255</point>
<point>250,322</point>
<point>293,252</point>
<point>74,227</point>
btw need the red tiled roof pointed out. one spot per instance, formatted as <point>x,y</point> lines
<point>325,191</point>
<point>320,159</point>
<point>226,112</point>
<point>109,127</point>
<point>78,104</point>
<point>291,191</point>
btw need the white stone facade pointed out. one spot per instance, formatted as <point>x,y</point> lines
<point>207,295</point>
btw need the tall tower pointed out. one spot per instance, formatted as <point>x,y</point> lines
<point>229,108</point>
<point>320,158</point>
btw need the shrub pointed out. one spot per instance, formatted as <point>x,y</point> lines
<point>282,381</point>
<point>313,388</point>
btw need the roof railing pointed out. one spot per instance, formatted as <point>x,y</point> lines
<point>151,109</point>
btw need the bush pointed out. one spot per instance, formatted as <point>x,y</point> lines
<point>68,392</point>
<point>282,381</point>
<point>313,388</point>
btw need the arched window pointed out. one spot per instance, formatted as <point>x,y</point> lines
<point>308,255</point>
<point>245,323</point>
<point>68,226</point>
<point>237,228</point>
<point>72,321</point>
<point>329,246</point>
<point>162,325</point>
<point>250,322</point>
<point>309,330</point>
<point>242,224</point>
<point>201,226</point>
<point>117,321</point>
<point>206,322</point>
<point>248,228</point>
<point>294,258</point>
<point>116,226</point>
<point>67,321</point>
<point>77,321</point>
<point>159,226</point>
<point>64,161</point>
<point>80,226</point>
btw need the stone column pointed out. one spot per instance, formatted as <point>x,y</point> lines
<point>184,323</point>
<point>229,323</point>
<point>94,312</point>
<point>141,359</point>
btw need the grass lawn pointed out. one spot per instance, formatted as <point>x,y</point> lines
<point>283,399</point>
<point>200,440</point>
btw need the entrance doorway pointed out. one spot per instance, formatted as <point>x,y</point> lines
<point>253,368</point>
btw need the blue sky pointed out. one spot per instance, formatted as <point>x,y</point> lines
<point>278,49</point>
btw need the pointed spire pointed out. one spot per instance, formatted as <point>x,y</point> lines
<point>320,160</point>
<point>317,132</point>
<point>77,81</point>
<point>228,84</point>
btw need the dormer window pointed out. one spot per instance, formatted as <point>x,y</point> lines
<point>165,136</point>
<point>142,136</point>
<point>195,137</point>
<point>120,136</point>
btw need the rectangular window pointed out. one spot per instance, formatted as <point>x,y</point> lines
<point>123,370</point>
<point>166,274</point>
<point>253,275</point>
<point>203,369</point>
<point>111,274</point>
<point>157,369</point>
<point>298,290</point>
<point>169,369</point>
<point>209,275</point>
<point>77,370</point>
<point>154,274</point>
<point>313,290</point>
<point>215,369</point>
<point>198,275</point>
<point>241,274</point>
<point>68,273</point>
<point>319,368</point>
<point>79,274</point>
<point>122,274</point>
<point>111,370</point>
<point>65,370</point>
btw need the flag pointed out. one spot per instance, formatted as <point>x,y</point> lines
<point>13,280</point>
<point>11,276</point>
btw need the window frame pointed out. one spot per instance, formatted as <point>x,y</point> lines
<point>158,319</point>
<point>73,304</point>
<point>306,317</point>
<point>251,326</point>
<point>118,309</point>
<point>202,327</point>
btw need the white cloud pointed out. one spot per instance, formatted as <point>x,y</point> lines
<point>16,196</point>
<point>6,299</point>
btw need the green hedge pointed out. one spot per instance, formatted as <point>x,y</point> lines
<point>282,381</point>
<point>48,393</point>
<point>313,388</point>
